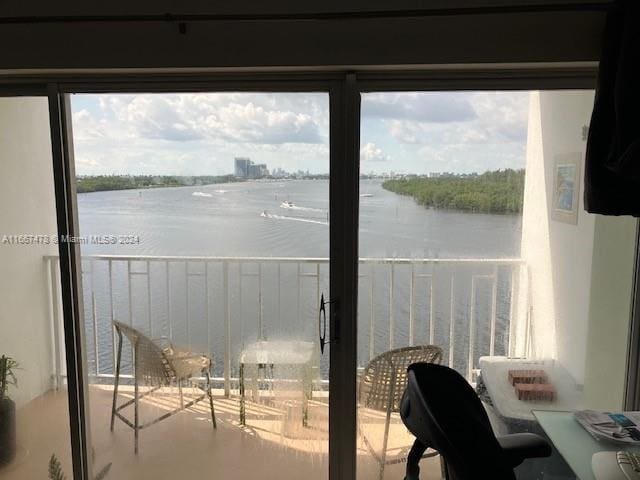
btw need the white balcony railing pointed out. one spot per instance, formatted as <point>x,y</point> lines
<point>470,307</point>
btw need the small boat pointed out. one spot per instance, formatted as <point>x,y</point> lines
<point>366,195</point>
<point>287,204</point>
<point>265,214</point>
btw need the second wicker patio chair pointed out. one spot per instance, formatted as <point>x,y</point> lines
<point>382,385</point>
<point>158,367</point>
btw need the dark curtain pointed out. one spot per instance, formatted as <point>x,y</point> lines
<point>612,165</point>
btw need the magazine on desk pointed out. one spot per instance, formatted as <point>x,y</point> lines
<point>617,427</point>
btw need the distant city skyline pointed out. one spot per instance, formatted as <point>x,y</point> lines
<point>202,134</point>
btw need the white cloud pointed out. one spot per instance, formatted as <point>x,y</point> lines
<point>227,117</point>
<point>199,133</point>
<point>160,117</point>
<point>493,137</point>
<point>428,117</point>
<point>254,118</point>
<point>86,127</point>
<point>255,124</point>
<point>371,153</point>
<point>431,107</point>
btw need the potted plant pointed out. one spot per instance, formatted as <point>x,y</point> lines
<point>56,473</point>
<point>7,410</point>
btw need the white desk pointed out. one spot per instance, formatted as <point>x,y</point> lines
<point>573,442</point>
<point>495,375</point>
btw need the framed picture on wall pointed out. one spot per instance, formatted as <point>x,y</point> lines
<point>566,187</point>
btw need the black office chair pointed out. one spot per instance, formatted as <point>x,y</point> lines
<point>441,409</point>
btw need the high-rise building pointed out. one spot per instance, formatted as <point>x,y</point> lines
<point>253,171</point>
<point>264,171</point>
<point>242,167</point>
<point>245,168</point>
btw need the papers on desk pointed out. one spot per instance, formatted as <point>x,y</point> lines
<point>617,427</point>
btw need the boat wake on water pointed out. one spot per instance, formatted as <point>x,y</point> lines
<point>266,214</point>
<point>201,194</point>
<point>292,206</point>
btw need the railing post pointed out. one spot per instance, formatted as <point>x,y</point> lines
<point>208,305</point>
<point>432,326</point>
<point>472,328</point>
<point>227,329</point>
<point>186,303</point>
<point>494,313</point>
<point>94,315</point>
<point>94,319</point>
<point>513,308</point>
<point>130,292</point>
<point>317,286</point>
<point>240,302</point>
<point>372,314</point>
<point>149,299</point>
<point>111,311</point>
<point>391,305</point>
<point>411,304</point>
<point>298,305</point>
<point>279,294</point>
<point>452,321</point>
<point>260,325</point>
<point>168,289</point>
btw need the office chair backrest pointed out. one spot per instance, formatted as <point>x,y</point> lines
<point>442,410</point>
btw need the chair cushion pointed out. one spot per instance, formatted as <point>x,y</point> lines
<point>186,363</point>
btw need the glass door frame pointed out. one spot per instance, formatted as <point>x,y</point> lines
<point>344,91</point>
<point>487,79</point>
<point>343,162</point>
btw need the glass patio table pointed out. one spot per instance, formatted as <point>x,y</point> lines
<point>267,354</point>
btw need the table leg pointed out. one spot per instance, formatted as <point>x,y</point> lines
<point>255,373</point>
<point>242,411</point>
<point>307,388</point>
<point>271,382</point>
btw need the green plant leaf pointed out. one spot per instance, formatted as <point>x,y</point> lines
<point>55,469</point>
<point>104,472</point>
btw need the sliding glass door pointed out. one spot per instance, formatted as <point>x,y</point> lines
<point>204,238</point>
<point>475,252</point>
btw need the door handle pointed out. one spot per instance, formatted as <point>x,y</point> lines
<point>322,323</point>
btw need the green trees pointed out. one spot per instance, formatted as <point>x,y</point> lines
<point>100,183</point>
<point>499,191</point>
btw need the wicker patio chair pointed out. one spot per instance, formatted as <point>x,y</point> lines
<point>157,366</point>
<point>381,386</point>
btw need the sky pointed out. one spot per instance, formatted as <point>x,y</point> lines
<point>201,133</point>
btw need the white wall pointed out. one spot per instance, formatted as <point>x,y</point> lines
<point>28,207</point>
<point>581,275</point>
<point>558,254</point>
<point>609,312</point>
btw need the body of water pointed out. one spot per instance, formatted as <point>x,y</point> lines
<point>250,219</point>
<point>287,218</point>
